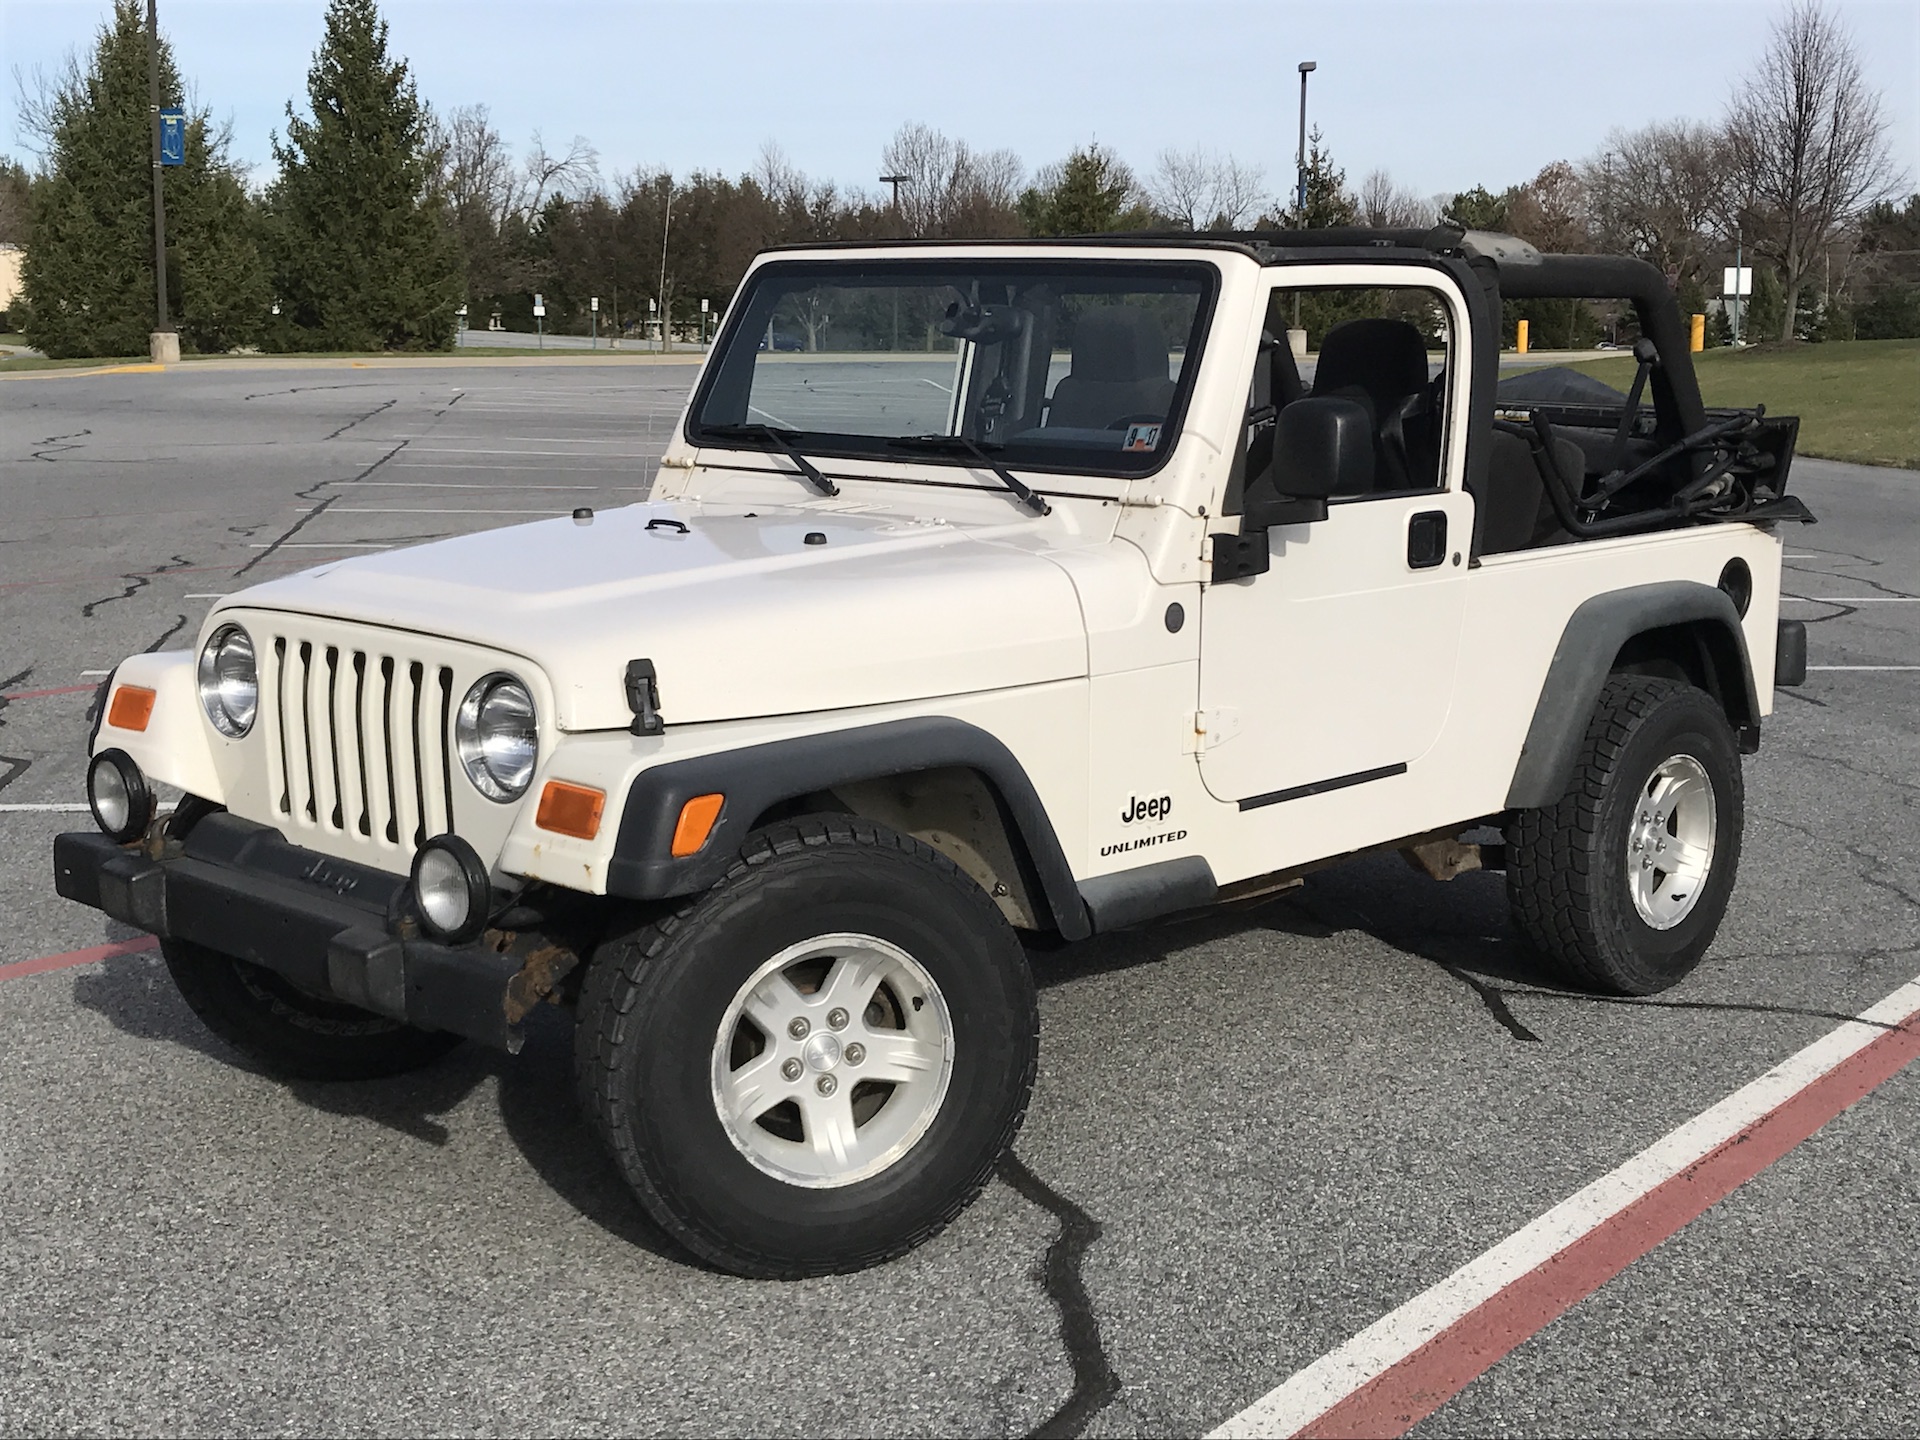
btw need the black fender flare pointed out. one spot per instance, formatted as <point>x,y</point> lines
<point>1584,659</point>
<point>757,777</point>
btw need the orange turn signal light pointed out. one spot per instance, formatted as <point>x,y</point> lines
<point>696,824</point>
<point>132,708</point>
<point>570,809</point>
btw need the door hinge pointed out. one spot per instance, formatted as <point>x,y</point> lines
<point>1214,727</point>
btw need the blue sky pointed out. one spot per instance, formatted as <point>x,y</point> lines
<point>1442,95</point>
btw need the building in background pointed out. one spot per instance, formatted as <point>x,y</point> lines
<point>10,258</point>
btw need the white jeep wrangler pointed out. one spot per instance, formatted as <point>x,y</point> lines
<point>985,589</point>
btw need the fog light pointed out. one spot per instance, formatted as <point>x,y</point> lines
<point>122,801</point>
<point>451,889</point>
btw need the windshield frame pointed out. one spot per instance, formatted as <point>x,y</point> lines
<point>1117,465</point>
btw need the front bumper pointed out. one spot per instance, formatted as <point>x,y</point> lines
<point>330,927</point>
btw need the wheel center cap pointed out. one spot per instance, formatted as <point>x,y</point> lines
<point>821,1052</point>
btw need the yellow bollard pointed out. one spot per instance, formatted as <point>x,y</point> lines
<point>1520,338</point>
<point>1697,334</point>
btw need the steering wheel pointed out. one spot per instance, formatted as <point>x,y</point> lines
<point>1143,417</point>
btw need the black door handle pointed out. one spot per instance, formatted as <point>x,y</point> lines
<point>1426,539</point>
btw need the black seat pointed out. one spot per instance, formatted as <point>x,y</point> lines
<point>1119,368</point>
<point>1383,364</point>
<point>1511,507</point>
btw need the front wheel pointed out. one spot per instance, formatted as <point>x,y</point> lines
<point>1623,882</point>
<point>814,1066</point>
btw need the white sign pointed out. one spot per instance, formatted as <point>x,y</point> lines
<point>595,302</point>
<point>1741,278</point>
<point>703,307</point>
<point>539,312</point>
<point>652,305</point>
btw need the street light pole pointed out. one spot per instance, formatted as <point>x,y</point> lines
<point>1307,67</point>
<point>164,346</point>
<point>896,181</point>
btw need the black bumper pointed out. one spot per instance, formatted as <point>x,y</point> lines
<point>331,927</point>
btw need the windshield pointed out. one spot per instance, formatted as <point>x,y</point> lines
<point>1079,366</point>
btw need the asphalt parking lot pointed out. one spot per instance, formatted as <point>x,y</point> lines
<point>1255,1132</point>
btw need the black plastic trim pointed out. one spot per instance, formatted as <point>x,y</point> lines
<point>1131,897</point>
<point>324,924</point>
<point>758,777</point>
<point>1584,659</point>
<point>1321,787</point>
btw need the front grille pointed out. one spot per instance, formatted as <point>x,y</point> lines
<point>361,744</point>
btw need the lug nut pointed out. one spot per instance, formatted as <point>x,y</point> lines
<point>836,1019</point>
<point>856,1052</point>
<point>826,1085</point>
<point>798,1027</point>
<point>790,1069</point>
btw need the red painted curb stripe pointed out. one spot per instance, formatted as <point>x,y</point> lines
<point>42,694</point>
<point>1404,1395</point>
<point>20,969</point>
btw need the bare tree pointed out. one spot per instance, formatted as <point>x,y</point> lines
<point>950,189</point>
<point>1808,141</point>
<point>1550,210</point>
<point>570,173</point>
<point>1661,192</point>
<point>1385,204</point>
<point>1200,190</point>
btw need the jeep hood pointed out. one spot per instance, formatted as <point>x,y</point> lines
<point>743,613</point>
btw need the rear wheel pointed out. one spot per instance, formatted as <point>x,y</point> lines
<point>814,1066</point>
<point>1624,881</point>
<point>290,1032</point>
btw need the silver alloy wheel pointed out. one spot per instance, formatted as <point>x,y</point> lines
<point>833,1060</point>
<point>1670,841</point>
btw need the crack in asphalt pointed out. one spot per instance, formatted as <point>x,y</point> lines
<point>1094,1383</point>
<point>318,508</point>
<point>305,389</point>
<point>1495,999</point>
<point>358,419</point>
<point>1866,857</point>
<point>167,634</point>
<point>17,765</point>
<point>54,447</point>
<point>141,579</point>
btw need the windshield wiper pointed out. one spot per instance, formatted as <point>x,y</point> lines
<point>781,440</point>
<point>961,445</point>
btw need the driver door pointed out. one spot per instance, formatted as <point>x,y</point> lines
<point>1336,667</point>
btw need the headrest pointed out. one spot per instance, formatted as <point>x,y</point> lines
<point>1386,358</point>
<point>1117,343</point>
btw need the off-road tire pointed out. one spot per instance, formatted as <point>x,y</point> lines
<point>290,1033</point>
<point>1567,862</point>
<point>653,1002</point>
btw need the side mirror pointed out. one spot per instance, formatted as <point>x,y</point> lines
<point>1322,446</point>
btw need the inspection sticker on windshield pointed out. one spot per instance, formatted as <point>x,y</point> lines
<point>1142,437</point>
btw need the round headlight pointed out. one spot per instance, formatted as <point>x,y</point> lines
<point>229,682</point>
<point>451,889</point>
<point>119,795</point>
<point>497,738</point>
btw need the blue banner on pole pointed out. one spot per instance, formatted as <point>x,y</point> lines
<point>173,137</point>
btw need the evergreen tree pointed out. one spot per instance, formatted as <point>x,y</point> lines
<point>1765,311</point>
<point>1091,194</point>
<point>363,257</point>
<point>87,278</point>
<point>1329,204</point>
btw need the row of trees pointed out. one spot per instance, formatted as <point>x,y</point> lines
<point>383,219</point>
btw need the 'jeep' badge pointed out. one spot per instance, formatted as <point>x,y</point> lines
<point>1157,808</point>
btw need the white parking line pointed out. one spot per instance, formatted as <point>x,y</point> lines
<point>101,674</point>
<point>1863,667</point>
<point>1409,1363</point>
<point>433,510</point>
<point>22,809</point>
<point>210,595</point>
<point>1854,599</point>
<point>326,545</point>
